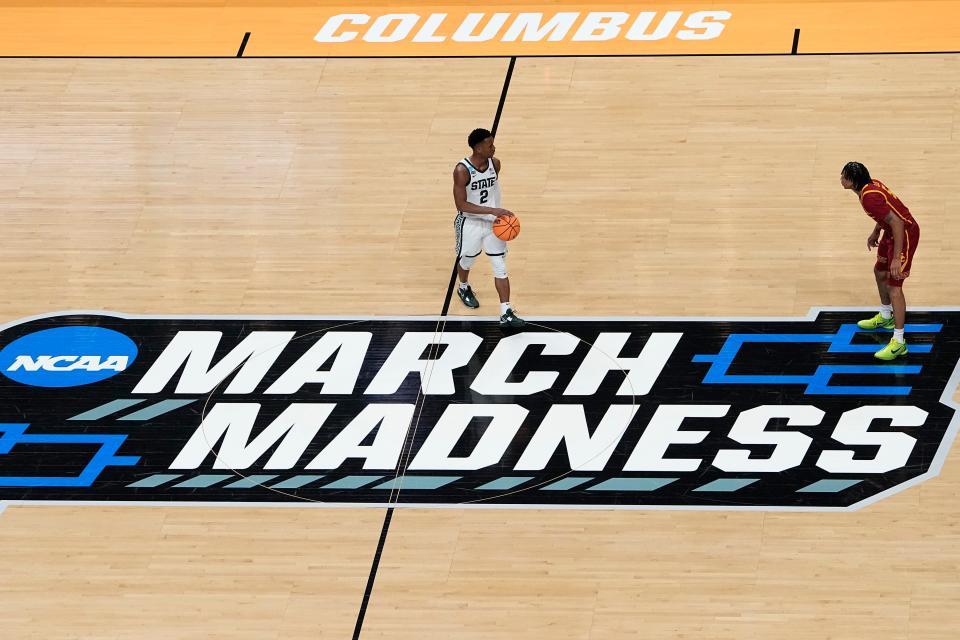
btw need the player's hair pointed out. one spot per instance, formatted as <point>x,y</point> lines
<point>477,136</point>
<point>857,174</point>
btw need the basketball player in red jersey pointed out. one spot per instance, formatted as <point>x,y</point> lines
<point>896,235</point>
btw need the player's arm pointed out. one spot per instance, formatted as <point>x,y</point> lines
<point>460,180</point>
<point>877,208</point>
<point>896,226</point>
<point>874,238</point>
<point>496,166</point>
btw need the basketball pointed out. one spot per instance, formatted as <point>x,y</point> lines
<point>506,228</point>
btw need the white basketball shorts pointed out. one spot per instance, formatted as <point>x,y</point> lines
<point>474,234</point>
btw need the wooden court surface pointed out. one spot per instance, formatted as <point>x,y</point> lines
<point>647,186</point>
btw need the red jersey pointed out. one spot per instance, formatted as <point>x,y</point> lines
<point>877,200</point>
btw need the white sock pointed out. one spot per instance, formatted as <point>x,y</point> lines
<point>898,336</point>
<point>464,285</point>
<point>886,311</point>
<point>503,307</point>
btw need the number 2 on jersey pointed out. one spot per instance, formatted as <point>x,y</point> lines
<point>483,196</point>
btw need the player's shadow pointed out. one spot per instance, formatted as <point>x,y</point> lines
<point>880,337</point>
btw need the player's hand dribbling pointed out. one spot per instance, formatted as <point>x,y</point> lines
<point>873,240</point>
<point>503,213</point>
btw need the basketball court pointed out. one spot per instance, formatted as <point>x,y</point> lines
<point>225,169</point>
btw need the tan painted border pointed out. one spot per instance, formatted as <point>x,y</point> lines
<point>171,29</point>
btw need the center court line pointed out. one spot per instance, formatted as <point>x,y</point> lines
<point>388,517</point>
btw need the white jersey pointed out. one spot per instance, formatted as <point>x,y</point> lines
<point>474,233</point>
<point>483,188</point>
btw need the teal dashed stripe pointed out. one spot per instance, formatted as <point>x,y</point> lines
<point>154,480</point>
<point>828,486</point>
<point>295,482</point>
<point>351,482</point>
<point>565,483</point>
<point>727,485</point>
<point>417,482</point>
<point>504,483</point>
<point>202,481</point>
<point>106,409</point>
<point>158,409</point>
<point>249,482</point>
<point>632,484</point>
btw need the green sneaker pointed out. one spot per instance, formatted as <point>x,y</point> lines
<point>467,297</point>
<point>876,322</point>
<point>509,320</point>
<point>892,351</point>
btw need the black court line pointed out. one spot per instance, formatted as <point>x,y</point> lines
<point>453,280</point>
<point>388,518</point>
<point>492,57</point>
<point>373,573</point>
<point>503,95</point>
<point>243,45</point>
<point>796,41</point>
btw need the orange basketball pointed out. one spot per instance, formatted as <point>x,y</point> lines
<point>506,228</point>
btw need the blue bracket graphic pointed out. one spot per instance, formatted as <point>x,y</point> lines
<point>14,434</point>
<point>817,383</point>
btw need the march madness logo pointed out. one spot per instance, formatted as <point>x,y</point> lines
<point>595,412</point>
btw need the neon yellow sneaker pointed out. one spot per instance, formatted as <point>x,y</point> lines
<point>876,322</point>
<point>892,351</point>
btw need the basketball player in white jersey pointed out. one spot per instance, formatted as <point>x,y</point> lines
<point>476,192</point>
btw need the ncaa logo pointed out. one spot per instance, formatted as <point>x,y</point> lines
<point>67,356</point>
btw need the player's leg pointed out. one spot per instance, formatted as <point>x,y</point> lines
<point>508,318</point>
<point>881,277</point>
<point>898,343</point>
<point>469,239</point>
<point>503,289</point>
<point>884,319</point>
<point>899,303</point>
<point>464,291</point>
<point>496,250</point>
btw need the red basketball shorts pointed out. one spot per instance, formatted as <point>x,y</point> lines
<point>885,254</point>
